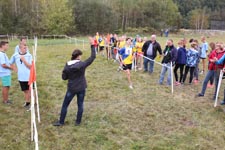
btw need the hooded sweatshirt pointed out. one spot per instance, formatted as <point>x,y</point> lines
<point>74,72</point>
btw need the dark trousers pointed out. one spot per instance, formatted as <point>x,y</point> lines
<point>181,67</point>
<point>187,68</point>
<point>68,98</point>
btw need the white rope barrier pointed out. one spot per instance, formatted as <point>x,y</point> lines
<point>153,60</point>
<point>171,69</point>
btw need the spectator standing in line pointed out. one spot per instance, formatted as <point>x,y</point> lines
<point>170,56</point>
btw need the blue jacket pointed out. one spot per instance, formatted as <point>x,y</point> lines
<point>181,56</point>
<point>192,58</point>
<point>221,60</point>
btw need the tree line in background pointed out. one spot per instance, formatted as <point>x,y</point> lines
<point>71,17</point>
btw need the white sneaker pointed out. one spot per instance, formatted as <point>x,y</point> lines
<point>120,68</point>
<point>131,87</point>
<point>29,109</point>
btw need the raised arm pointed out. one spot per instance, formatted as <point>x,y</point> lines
<point>89,61</point>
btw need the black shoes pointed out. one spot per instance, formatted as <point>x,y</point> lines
<point>77,123</point>
<point>222,102</point>
<point>200,95</point>
<point>57,124</point>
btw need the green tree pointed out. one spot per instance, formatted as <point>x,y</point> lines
<point>56,17</point>
<point>198,19</point>
<point>92,16</point>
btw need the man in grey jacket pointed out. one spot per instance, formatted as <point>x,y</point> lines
<point>150,49</point>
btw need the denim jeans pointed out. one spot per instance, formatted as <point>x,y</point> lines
<point>165,67</point>
<point>68,98</point>
<point>151,64</point>
<point>208,76</point>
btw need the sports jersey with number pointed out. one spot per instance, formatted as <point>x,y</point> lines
<point>126,54</point>
<point>23,72</point>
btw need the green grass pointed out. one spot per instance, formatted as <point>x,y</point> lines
<point>115,117</point>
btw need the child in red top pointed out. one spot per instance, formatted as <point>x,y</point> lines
<point>213,69</point>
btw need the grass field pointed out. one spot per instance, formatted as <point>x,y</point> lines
<point>115,117</point>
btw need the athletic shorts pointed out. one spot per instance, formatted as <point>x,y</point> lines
<point>24,85</point>
<point>202,58</point>
<point>101,48</point>
<point>6,80</point>
<point>126,67</point>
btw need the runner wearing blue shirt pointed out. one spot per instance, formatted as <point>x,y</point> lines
<point>5,72</point>
<point>126,55</point>
<point>23,61</point>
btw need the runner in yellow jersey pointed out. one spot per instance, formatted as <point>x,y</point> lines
<point>126,55</point>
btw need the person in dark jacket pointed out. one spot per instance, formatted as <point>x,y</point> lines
<point>180,62</point>
<point>74,72</point>
<point>170,55</point>
<point>150,49</point>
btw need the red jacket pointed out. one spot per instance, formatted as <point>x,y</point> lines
<point>218,55</point>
